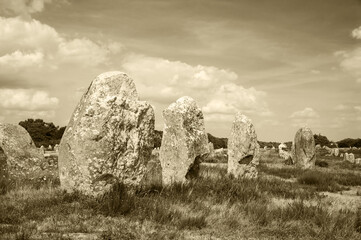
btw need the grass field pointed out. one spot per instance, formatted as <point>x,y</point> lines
<point>283,203</point>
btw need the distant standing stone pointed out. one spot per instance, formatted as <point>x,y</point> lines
<point>304,155</point>
<point>184,141</point>
<point>243,148</point>
<point>19,156</point>
<point>56,148</point>
<point>42,149</point>
<point>109,136</point>
<point>336,152</point>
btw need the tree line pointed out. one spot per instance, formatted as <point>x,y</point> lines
<point>43,133</point>
<point>46,133</point>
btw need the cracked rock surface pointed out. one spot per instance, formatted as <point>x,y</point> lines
<point>184,141</point>
<point>109,137</point>
<point>243,148</point>
<point>304,149</point>
<point>19,157</point>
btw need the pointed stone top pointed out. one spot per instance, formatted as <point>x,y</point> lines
<point>242,118</point>
<point>184,104</point>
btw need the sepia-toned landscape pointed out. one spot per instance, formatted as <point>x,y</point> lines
<point>180,119</point>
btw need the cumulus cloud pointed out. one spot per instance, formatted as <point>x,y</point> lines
<point>19,59</point>
<point>22,7</point>
<point>25,43</point>
<point>305,113</point>
<point>341,107</point>
<point>351,60</point>
<point>305,117</point>
<point>230,98</point>
<point>27,99</point>
<point>356,33</point>
<point>215,89</point>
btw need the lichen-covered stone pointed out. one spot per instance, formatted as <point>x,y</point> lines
<point>350,157</point>
<point>153,174</point>
<point>109,136</point>
<point>19,156</point>
<point>305,150</point>
<point>184,141</point>
<point>243,148</point>
<point>4,175</point>
<point>336,152</point>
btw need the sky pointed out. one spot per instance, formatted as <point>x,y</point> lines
<point>284,64</point>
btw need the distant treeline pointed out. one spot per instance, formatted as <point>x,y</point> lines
<point>43,133</point>
<point>217,142</point>
<point>46,134</point>
<point>345,143</point>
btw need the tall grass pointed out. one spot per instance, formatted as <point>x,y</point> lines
<point>190,207</point>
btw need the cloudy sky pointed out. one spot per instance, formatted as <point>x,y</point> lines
<point>285,64</point>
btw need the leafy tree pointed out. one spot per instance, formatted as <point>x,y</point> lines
<point>158,138</point>
<point>349,142</point>
<point>217,142</point>
<point>43,133</point>
<point>322,140</point>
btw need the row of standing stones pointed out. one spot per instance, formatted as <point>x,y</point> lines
<point>110,138</point>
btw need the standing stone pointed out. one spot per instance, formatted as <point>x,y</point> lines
<point>358,161</point>
<point>336,152</point>
<point>329,150</point>
<point>351,158</point>
<point>184,141</point>
<point>304,156</point>
<point>345,157</point>
<point>109,137</point>
<point>56,148</point>
<point>153,174</point>
<point>282,146</point>
<point>341,155</point>
<point>19,156</point>
<point>211,150</point>
<point>42,149</point>
<point>243,148</point>
<point>4,175</point>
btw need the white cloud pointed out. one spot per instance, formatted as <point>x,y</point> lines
<point>351,62</point>
<point>357,108</point>
<point>305,113</point>
<point>306,117</point>
<point>216,89</point>
<point>356,33</point>
<point>230,98</point>
<point>27,99</point>
<point>19,59</point>
<point>341,107</point>
<point>83,51</point>
<point>25,41</point>
<point>22,7</point>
